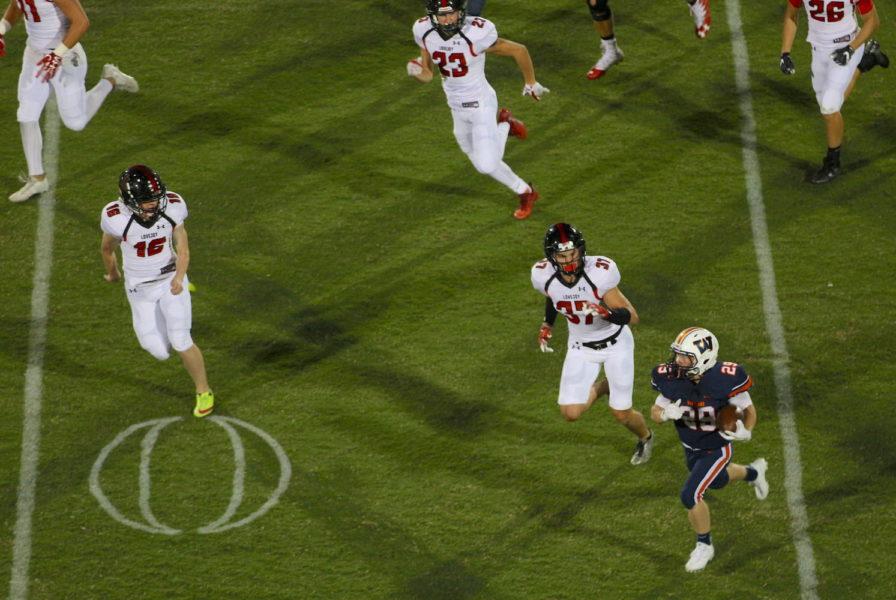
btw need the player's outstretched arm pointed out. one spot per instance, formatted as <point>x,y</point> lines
<point>870,23</point>
<point>110,262</point>
<point>788,34</point>
<point>78,23</point>
<point>519,53</point>
<point>182,246</point>
<point>421,67</point>
<point>615,299</point>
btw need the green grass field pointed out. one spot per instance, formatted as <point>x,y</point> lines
<point>363,298</point>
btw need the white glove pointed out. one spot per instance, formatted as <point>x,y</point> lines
<point>740,433</point>
<point>672,412</point>
<point>415,66</point>
<point>536,90</point>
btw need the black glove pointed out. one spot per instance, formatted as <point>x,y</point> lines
<point>787,66</point>
<point>842,55</point>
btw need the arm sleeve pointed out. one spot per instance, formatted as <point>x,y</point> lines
<point>550,312</point>
<point>662,401</point>
<point>865,6</point>
<point>742,400</point>
<point>796,3</point>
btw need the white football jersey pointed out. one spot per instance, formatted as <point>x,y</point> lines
<point>45,23</point>
<point>147,252</point>
<point>600,275</point>
<point>832,22</point>
<point>459,59</point>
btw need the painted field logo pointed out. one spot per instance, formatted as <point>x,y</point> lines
<point>150,523</point>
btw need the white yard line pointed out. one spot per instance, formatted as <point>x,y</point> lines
<point>34,375</point>
<point>793,470</point>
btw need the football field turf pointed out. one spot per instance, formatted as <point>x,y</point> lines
<point>364,307</point>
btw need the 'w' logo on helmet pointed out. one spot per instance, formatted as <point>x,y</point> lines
<point>704,344</point>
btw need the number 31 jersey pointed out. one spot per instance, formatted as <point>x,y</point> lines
<point>147,252</point>
<point>571,300</point>
<point>461,58</point>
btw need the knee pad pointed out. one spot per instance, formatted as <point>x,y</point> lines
<point>687,498</point>
<point>600,10</point>
<point>181,340</point>
<point>155,345</point>
<point>830,102</point>
<point>75,124</point>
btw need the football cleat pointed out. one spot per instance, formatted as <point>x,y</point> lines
<point>702,18</point>
<point>32,187</point>
<point>527,201</point>
<point>643,450</point>
<point>700,557</point>
<point>517,127</point>
<point>873,57</point>
<point>826,173</point>
<point>607,60</point>
<point>205,404</point>
<point>122,81</point>
<point>760,484</point>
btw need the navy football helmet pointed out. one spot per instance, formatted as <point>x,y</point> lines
<point>140,185</point>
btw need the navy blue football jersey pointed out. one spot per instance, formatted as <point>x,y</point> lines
<point>702,400</point>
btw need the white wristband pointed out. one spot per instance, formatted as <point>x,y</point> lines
<point>60,50</point>
<point>4,26</point>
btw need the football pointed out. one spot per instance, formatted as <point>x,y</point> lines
<point>727,419</point>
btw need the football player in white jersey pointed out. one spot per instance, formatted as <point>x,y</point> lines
<point>147,224</point>
<point>456,45</point>
<point>54,57</point>
<point>585,290</point>
<point>838,56</point>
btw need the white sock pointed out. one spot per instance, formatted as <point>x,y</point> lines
<point>608,45</point>
<point>33,144</point>
<point>505,175</point>
<point>96,96</point>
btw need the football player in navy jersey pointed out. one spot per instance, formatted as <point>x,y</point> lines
<point>694,387</point>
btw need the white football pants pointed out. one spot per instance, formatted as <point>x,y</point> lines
<point>482,139</point>
<point>830,80</point>
<point>582,366</point>
<point>161,319</point>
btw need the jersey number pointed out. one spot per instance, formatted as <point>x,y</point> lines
<point>455,58</point>
<point>829,12</point>
<point>35,18</point>
<point>151,249</point>
<point>570,313</point>
<point>702,419</point>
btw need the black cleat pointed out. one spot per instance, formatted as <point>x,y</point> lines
<point>873,57</point>
<point>826,173</point>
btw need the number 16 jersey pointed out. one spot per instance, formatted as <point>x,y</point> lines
<point>147,252</point>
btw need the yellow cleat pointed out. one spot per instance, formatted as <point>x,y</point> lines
<point>205,404</point>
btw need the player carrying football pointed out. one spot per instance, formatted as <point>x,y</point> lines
<point>694,388</point>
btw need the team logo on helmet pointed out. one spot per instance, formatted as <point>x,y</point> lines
<point>700,346</point>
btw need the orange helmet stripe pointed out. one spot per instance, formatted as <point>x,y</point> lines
<point>685,334</point>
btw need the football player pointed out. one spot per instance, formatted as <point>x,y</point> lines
<point>54,57</point>
<point>456,45</point>
<point>839,52</point>
<point>693,388</point>
<point>585,290</point>
<point>147,224</point>
<point>611,53</point>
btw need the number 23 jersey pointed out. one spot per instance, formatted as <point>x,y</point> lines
<point>147,252</point>
<point>599,276</point>
<point>461,58</point>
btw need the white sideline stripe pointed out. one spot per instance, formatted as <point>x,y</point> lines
<point>793,470</point>
<point>34,374</point>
